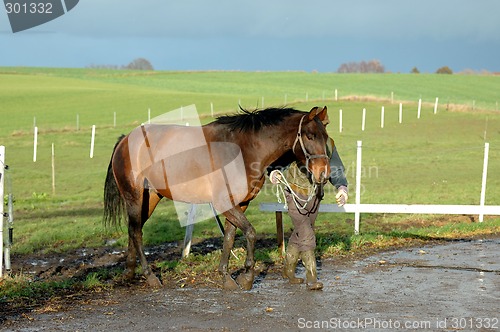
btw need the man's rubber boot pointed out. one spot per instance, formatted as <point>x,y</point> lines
<point>309,261</point>
<point>290,263</point>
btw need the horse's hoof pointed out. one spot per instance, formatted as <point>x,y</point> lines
<point>128,275</point>
<point>229,283</point>
<point>315,286</point>
<point>245,280</point>
<point>153,281</point>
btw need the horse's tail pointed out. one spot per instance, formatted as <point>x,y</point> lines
<point>114,205</point>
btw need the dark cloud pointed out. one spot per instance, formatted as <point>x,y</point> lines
<point>271,34</point>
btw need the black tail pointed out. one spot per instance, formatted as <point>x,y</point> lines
<point>114,205</point>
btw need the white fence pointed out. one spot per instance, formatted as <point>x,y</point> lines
<point>2,172</point>
<point>357,208</point>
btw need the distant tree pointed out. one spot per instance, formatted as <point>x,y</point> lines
<point>444,70</point>
<point>372,66</point>
<point>94,66</point>
<point>415,70</point>
<point>140,64</point>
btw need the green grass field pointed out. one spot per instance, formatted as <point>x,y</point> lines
<point>436,159</point>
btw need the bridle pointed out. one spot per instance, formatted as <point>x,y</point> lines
<point>299,201</point>
<point>306,154</point>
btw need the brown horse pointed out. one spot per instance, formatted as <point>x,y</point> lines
<point>223,163</point>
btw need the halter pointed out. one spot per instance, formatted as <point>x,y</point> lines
<point>306,154</point>
<point>299,202</point>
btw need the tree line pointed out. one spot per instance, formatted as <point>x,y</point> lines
<point>136,64</point>
<point>375,66</point>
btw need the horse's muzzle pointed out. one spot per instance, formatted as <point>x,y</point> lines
<point>322,178</point>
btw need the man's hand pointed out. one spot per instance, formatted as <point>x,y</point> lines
<point>342,195</point>
<point>275,176</point>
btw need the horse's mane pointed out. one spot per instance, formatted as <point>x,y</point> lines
<point>256,119</point>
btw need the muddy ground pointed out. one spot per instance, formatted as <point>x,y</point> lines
<point>445,287</point>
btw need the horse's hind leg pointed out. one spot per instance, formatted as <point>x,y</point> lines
<point>229,233</point>
<point>138,212</point>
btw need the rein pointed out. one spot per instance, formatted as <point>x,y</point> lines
<point>299,202</point>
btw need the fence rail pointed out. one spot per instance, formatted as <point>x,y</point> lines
<point>493,210</point>
<point>359,208</point>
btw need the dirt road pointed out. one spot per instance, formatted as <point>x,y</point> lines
<point>448,287</point>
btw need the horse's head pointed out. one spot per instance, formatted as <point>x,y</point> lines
<point>310,145</point>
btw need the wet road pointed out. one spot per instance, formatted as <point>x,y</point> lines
<point>434,288</point>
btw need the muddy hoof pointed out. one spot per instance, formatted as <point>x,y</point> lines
<point>245,280</point>
<point>315,286</point>
<point>153,281</point>
<point>128,275</point>
<point>229,283</point>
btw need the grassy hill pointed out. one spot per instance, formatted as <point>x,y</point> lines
<point>435,159</point>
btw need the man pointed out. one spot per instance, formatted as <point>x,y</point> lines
<point>303,199</point>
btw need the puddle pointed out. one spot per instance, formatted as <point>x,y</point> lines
<point>427,287</point>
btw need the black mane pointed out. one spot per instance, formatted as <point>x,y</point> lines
<point>256,119</point>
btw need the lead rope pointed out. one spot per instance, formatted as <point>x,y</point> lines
<point>298,201</point>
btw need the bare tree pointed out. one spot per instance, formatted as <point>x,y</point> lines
<point>444,70</point>
<point>140,64</point>
<point>372,66</point>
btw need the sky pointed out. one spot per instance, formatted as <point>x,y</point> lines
<point>270,35</point>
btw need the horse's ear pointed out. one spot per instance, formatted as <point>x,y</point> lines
<point>313,112</point>
<point>322,114</point>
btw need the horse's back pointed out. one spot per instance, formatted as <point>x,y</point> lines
<point>186,164</point>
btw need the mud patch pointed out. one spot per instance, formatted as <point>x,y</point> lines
<point>426,288</point>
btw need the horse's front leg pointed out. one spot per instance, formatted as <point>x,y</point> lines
<point>245,280</point>
<point>229,233</point>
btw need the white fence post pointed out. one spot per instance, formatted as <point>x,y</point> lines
<point>35,143</point>
<point>483,183</point>
<point>363,120</point>
<point>419,108</point>
<point>436,105</point>
<point>358,188</point>
<point>2,176</point>
<point>382,117</point>
<point>400,112</point>
<point>92,140</point>
<point>53,171</point>
<point>189,231</point>
<point>340,120</point>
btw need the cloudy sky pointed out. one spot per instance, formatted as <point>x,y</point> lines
<point>263,35</point>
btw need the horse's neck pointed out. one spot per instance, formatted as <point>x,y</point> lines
<point>279,141</point>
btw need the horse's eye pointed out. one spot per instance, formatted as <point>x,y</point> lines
<point>311,137</point>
